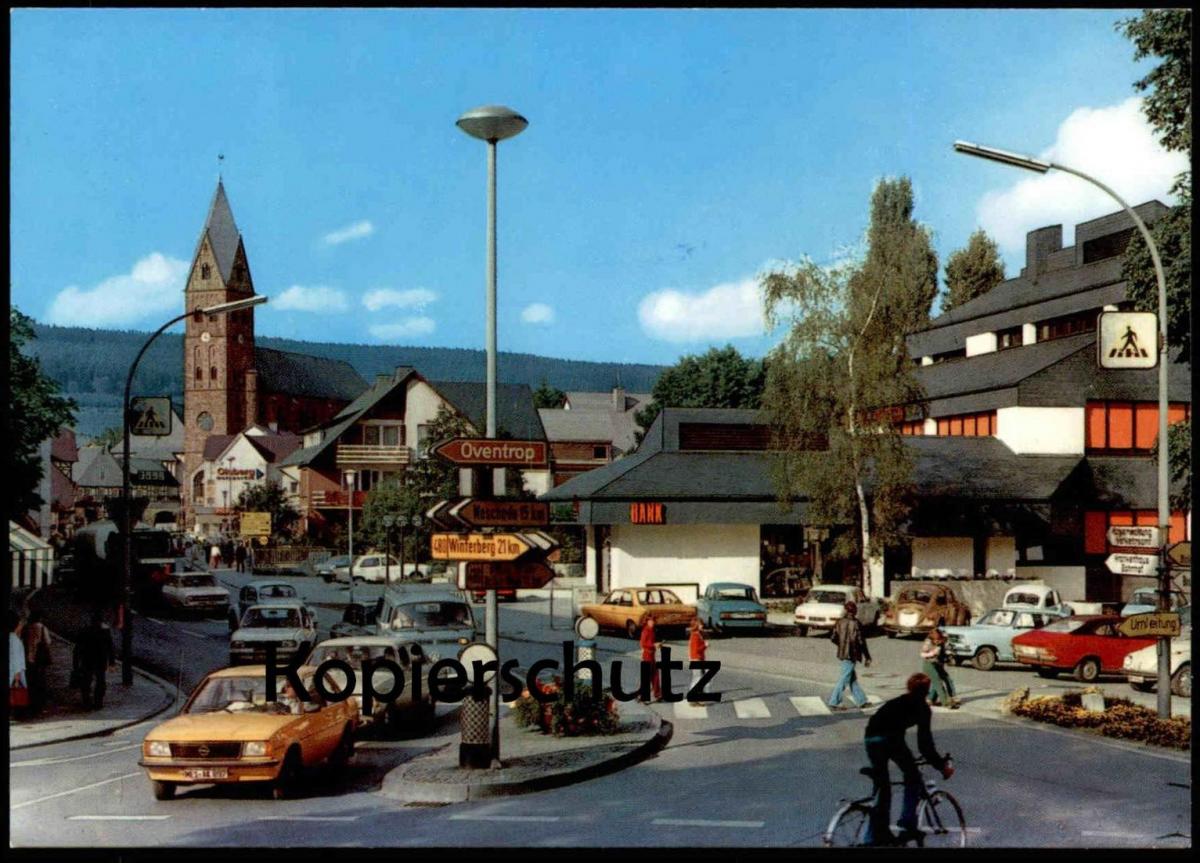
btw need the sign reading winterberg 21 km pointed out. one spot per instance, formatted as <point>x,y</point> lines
<point>480,546</point>
<point>485,452</point>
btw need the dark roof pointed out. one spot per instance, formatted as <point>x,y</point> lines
<point>983,467</point>
<point>222,231</point>
<point>273,446</point>
<point>102,471</point>
<point>1124,482</point>
<point>515,413</point>
<point>996,369</point>
<point>215,444</point>
<point>306,376</point>
<point>63,446</point>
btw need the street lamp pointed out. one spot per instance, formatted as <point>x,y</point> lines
<point>388,522</point>
<point>1164,514</point>
<point>492,123</point>
<point>406,521</point>
<point>126,520</point>
<point>350,476</point>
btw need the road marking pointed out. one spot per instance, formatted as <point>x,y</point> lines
<point>153,620</point>
<point>309,818</point>
<point>751,708</point>
<point>683,710</point>
<point>469,817</point>
<point>75,790</point>
<point>192,634</point>
<point>118,817</point>
<point>1105,834</point>
<point>810,705</point>
<point>385,744</point>
<point>41,762</point>
<point>700,822</point>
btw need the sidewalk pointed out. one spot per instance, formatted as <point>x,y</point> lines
<point>533,761</point>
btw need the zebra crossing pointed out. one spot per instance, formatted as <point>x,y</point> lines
<point>754,707</point>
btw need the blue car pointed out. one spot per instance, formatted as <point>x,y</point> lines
<point>989,640</point>
<point>727,605</point>
<point>1145,599</point>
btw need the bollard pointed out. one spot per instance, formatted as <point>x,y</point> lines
<point>475,748</point>
<point>585,649</point>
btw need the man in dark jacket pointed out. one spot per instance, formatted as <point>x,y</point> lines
<point>94,653</point>
<point>884,739</point>
<point>851,649</point>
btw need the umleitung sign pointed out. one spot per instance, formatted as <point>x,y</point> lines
<point>1153,624</point>
<point>478,546</point>
<point>485,452</point>
<point>519,575</point>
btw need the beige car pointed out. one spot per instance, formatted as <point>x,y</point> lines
<point>923,606</point>
<point>628,608</point>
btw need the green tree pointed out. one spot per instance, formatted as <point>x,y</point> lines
<point>1165,34</point>
<point>396,499</point>
<point>36,412</point>
<point>546,396</point>
<point>269,496</point>
<point>113,436</point>
<point>972,271</point>
<point>720,378</point>
<point>843,359</point>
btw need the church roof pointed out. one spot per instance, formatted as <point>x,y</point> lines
<point>222,233</point>
<point>306,376</point>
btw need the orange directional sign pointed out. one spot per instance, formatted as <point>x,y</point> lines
<point>1154,624</point>
<point>521,575</point>
<point>1180,554</point>
<point>501,513</point>
<point>485,452</point>
<point>479,546</point>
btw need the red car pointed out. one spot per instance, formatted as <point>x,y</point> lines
<point>501,593</point>
<point>1086,645</point>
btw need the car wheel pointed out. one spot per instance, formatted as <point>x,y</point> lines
<point>985,659</point>
<point>1181,681</point>
<point>1087,670</point>
<point>631,629</point>
<point>891,634</point>
<point>1048,673</point>
<point>163,790</point>
<point>1142,685</point>
<point>801,631</point>
<point>288,782</point>
<point>344,751</point>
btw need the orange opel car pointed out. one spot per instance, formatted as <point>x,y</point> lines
<point>229,732</point>
<point>628,609</point>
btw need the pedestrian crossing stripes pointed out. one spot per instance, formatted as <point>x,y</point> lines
<point>757,708</point>
<point>810,705</point>
<point>751,708</point>
<point>683,710</point>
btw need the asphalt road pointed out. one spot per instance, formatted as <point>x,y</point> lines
<point>753,770</point>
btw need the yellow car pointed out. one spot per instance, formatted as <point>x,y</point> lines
<point>229,732</point>
<point>628,609</point>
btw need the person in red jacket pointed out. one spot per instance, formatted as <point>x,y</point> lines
<point>697,648</point>
<point>650,645</point>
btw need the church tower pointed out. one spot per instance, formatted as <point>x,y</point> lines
<point>219,389</point>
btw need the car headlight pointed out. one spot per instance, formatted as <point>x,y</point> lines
<point>158,748</point>
<point>288,643</point>
<point>254,748</point>
<point>1128,663</point>
<point>464,641</point>
<point>237,645</point>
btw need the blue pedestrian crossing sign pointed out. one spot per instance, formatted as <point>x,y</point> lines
<point>150,416</point>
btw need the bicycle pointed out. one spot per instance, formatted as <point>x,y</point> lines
<point>940,821</point>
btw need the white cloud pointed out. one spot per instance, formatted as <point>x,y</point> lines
<point>727,310</point>
<point>318,298</point>
<point>407,328</point>
<point>152,289</point>
<point>1115,145</point>
<point>537,313</point>
<point>381,298</point>
<point>351,232</point>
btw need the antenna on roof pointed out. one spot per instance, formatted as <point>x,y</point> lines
<point>220,163</point>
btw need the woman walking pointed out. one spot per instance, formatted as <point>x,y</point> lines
<point>37,659</point>
<point>18,694</point>
<point>650,644</point>
<point>697,648</point>
<point>934,655</point>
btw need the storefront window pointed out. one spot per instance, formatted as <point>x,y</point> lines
<point>968,425</point>
<point>1128,426</point>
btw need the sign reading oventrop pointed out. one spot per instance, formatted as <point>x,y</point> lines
<point>1153,624</point>
<point>256,524</point>
<point>485,452</point>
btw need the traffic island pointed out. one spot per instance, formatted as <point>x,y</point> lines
<point>532,761</point>
<point>1093,711</point>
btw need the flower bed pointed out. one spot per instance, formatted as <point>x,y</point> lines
<point>1121,718</point>
<point>560,717</point>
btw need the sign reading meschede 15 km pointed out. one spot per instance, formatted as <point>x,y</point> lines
<point>486,452</point>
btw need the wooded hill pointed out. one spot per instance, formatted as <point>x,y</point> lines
<point>91,366</point>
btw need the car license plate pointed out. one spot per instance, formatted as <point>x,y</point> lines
<point>207,773</point>
<point>744,616</point>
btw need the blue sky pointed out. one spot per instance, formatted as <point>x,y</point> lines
<point>671,156</point>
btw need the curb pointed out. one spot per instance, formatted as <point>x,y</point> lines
<point>441,792</point>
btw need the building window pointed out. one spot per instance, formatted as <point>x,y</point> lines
<point>599,452</point>
<point>1128,427</point>
<point>946,356</point>
<point>1067,325</point>
<point>212,373</point>
<point>981,424</point>
<point>205,269</point>
<point>196,364</point>
<point>914,428</point>
<point>1010,338</point>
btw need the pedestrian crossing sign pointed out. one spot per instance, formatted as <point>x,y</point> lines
<point>1128,340</point>
<point>150,416</point>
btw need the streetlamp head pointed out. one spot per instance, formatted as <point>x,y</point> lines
<point>350,475</point>
<point>389,520</point>
<point>492,123</point>
<point>1003,156</point>
<point>235,305</point>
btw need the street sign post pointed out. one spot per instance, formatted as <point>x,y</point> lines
<point>1180,555</point>
<point>256,524</point>
<point>480,546</point>
<point>1149,538</point>
<point>1127,340</point>
<point>518,575</point>
<point>1154,624</point>
<point>483,452</point>
<point>473,512</point>
<point>150,416</point>
<point>1132,564</point>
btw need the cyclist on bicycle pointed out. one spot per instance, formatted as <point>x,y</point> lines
<point>884,740</point>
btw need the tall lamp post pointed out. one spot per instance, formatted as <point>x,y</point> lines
<point>389,522</point>
<point>413,521</point>
<point>350,476</point>
<point>127,503</point>
<point>1164,513</point>
<point>492,123</point>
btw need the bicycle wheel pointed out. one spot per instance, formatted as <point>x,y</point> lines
<point>848,826</point>
<point>940,818</point>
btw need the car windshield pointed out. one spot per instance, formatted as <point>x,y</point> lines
<point>196,581</point>
<point>352,654</point>
<point>341,560</point>
<point>998,618</point>
<point>921,596</point>
<point>1022,599</point>
<point>277,591</point>
<point>834,596</point>
<point>272,618</point>
<point>736,593</point>
<point>1065,625</point>
<point>431,615</point>
<point>243,694</point>
<point>1144,596</point>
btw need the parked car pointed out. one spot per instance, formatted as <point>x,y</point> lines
<point>393,712</point>
<point>1088,646</point>
<point>261,592</point>
<point>292,628</point>
<point>1036,597</point>
<point>628,608</point>
<point>191,589</point>
<point>728,605</point>
<point>1141,666</point>
<point>325,570</point>
<point>439,620</point>
<point>787,581</point>
<point>372,567</point>
<point>358,619</point>
<point>1145,599</point>
<point>826,603</point>
<point>989,639</point>
<point>228,732</point>
<point>921,607</point>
